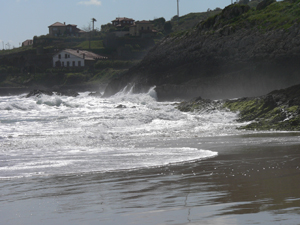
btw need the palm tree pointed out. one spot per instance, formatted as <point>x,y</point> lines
<point>93,21</point>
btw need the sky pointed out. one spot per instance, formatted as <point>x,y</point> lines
<point>22,19</point>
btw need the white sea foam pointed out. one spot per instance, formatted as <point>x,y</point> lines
<point>60,134</point>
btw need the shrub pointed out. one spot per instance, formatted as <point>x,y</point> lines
<point>116,64</point>
<point>75,78</point>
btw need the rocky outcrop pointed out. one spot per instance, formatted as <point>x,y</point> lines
<point>264,4</point>
<point>229,55</point>
<point>278,110</point>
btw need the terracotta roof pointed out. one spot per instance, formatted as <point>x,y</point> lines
<point>57,24</point>
<point>87,55</point>
<point>27,42</point>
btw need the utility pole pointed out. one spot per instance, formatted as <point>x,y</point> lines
<point>93,21</point>
<point>178,10</point>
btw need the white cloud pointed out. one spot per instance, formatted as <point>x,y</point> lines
<point>90,2</point>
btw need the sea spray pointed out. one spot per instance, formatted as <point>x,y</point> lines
<point>59,134</point>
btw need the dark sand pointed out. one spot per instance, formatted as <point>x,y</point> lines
<point>255,179</point>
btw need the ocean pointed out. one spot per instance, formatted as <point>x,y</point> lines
<point>130,159</point>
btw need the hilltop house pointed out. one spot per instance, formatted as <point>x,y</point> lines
<point>138,29</point>
<point>59,29</point>
<point>27,43</point>
<point>121,22</point>
<point>75,58</point>
<point>142,28</point>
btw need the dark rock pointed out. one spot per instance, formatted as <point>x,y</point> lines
<point>199,104</point>
<point>121,106</point>
<point>233,11</point>
<point>278,110</point>
<point>70,93</point>
<point>38,93</point>
<point>264,4</point>
<point>96,94</point>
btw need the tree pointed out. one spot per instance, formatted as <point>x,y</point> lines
<point>88,30</point>
<point>168,27</point>
<point>244,2</point>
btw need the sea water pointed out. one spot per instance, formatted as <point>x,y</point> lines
<point>58,135</point>
<point>85,160</point>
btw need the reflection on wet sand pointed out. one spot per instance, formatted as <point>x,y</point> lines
<point>243,185</point>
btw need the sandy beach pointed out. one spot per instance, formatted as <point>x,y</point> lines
<point>255,179</point>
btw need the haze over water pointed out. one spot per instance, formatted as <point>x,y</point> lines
<point>129,159</point>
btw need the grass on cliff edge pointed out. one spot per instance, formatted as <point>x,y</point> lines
<point>278,15</point>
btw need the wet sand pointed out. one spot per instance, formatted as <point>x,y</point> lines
<point>255,179</point>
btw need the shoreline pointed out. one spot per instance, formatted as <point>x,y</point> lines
<point>8,91</point>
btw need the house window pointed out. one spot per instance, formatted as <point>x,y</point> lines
<point>68,64</point>
<point>148,28</point>
<point>66,56</point>
<point>63,64</point>
<point>73,63</point>
<point>79,63</point>
<point>59,56</point>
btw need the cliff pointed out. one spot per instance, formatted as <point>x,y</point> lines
<point>239,52</point>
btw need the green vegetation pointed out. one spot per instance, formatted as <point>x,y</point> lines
<point>4,69</point>
<point>266,113</point>
<point>15,50</point>
<point>272,15</point>
<point>98,44</point>
<point>117,64</point>
<point>190,20</point>
<point>33,63</point>
<point>278,15</point>
<point>105,75</point>
<point>278,110</point>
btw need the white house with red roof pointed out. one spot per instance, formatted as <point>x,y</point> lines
<point>75,58</point>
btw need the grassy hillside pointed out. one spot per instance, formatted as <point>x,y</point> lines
<point>277,15</point>
<point>190,20</point>
<point>22,66</point>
